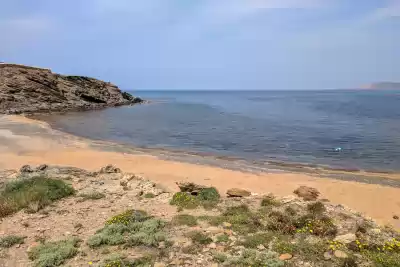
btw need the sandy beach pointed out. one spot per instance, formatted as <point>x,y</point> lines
<point>26,141</point>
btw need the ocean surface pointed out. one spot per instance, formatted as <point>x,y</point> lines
<point>351,130</point>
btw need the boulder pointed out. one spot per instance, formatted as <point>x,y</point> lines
<point>110,169</point>
<point>307,193</point>
<point>26,169</point>
<point>189,187</point>
<point>237,192</point>
<point>346,239</point>
<point>285,257</point>
<point>340,254</point>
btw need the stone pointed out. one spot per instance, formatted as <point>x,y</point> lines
<point>42,167</point>
<point>214,230</point>
<point>214,265</point>
<point>237,192</point>
<point>346,239</point>
<point>159,264</point>
<point>26,169</point>
<point>285,257</point>
<point>376,231</point>
<point>161,245</point>
<point>327,256</point>
<point>190,187</point>
<point>395,217</point>
<point>212,246</point>
<point>261,247</point>
<point>110,169</point>
<point>340,254</point>
<point>288,199</point>
<point>307,193</point>
<point>226,225</point>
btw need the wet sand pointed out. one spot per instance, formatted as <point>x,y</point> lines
<point>25,141</point>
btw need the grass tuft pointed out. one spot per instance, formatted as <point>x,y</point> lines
<point>149,195</point>
<point>93,195</point>
<point>11,240</point>
<point>199,238</point>
<point>184,219</point>
<point>54,253</point>
<point>32,193</point>
<point>270,200</point>
<point>184,200</point>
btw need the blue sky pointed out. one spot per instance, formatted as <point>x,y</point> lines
<point>208,44</point>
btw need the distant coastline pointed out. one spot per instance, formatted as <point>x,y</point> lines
<point>382,86</point>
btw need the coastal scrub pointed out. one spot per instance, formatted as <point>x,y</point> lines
<point>32,193</point>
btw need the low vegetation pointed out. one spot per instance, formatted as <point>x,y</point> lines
<point>117,260</point>
<point>131,228</point>
<point>206,197</point>
<point>92,195</point>
<point>54,253</point>
<point>200,238</point>
<point>184,219</point>
<point>32,194</point>
<point>11,240</point>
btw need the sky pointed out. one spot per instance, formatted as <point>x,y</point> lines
<point>208,44</point>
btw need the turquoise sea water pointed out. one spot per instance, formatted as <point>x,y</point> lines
<point>342,129</point>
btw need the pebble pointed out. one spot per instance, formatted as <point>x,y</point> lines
<point>212,246</point>
<point>346,239</point>
<point>159,264</point>
<point>285,257</point>
<point>395,217</point>
<point>327,256</point>
<point>340,254</point>
<point>260,247</point>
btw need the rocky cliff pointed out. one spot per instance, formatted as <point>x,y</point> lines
<point>25,89</point>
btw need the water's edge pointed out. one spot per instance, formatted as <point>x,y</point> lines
<point>237,163</point>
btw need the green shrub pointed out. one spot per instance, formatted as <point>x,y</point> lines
<point>54,253</point>
<point>184,219</point>
<point>242,219</point>
<point>117,260</point>
<point>149,195</point>
<point>279,222</point>
<point>184,200</point>
<point>220,257</point>
<point>270,200</point>
<point>93,195</point>
<point>128,216</point>
<point>11,240</point>
<point>209,194</point>
<point>223,238</point>
<point>255,258</point>
<point>200,238</point>
<point>316,208</point>
<point>34,193</point>
<point>252,241</point>
<point>383,259</point>
<point>129,232</point>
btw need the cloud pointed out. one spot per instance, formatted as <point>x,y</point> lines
<point>391,10</point>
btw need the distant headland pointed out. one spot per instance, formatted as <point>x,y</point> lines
<point>26,89</point>
<point>382,86</point>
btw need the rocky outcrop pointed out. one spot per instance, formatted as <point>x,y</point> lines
<point>25,89</point>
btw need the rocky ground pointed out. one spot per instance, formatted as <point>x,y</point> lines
<point>110,218</point>
<point>25,89</point>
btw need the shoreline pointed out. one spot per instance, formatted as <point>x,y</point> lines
<point>27,141</point>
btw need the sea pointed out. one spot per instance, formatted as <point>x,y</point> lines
<point>338,129</point>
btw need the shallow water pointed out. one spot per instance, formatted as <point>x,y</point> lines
<point>342,129</point>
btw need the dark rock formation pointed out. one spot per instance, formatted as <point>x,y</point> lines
<point>25,89</point>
